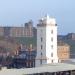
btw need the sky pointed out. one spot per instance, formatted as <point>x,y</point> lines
<point>17,12</point>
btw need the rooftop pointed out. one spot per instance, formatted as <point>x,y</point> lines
<point>42,69</point>
<point>62,43</point>
<point>47,20</point>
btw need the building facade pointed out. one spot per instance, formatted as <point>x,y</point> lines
<point>24,59</point>
<point>63,51</point>
<point>26,31</point>
<point>46,41</point>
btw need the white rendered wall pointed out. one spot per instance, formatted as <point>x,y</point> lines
<point>49,43</point>
<point>49,47</point>
<point>41,32</point>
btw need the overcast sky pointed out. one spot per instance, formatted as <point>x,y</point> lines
<point>17,12</point>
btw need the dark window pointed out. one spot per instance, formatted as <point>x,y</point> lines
<point>41,46</point>
<point>51,54</point>
<point>52,39</point>
<point>52,61</point>
<point>41,59</point>
<point>51,31</point>
<point>51,46</point>
<point>41,54</point>
<point>41,39</point>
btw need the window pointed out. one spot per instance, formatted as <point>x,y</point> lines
<point>41,39</point>
<point>51,31</point>
<point>41,59</point>
<point>51,46</point>
<point>41,46</point>
<point>52,39</point>
<point>51,54</point>
<point>55,24</point>
<point>52,61</point>
<point>41,54</point>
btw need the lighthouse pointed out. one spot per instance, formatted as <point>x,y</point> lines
<point>46,41</point>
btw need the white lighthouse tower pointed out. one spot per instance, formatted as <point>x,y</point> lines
<point>46,41</point>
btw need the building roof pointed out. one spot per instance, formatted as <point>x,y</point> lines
<point>47,21</point>
<point>62,43</point>
<point>42,69</point>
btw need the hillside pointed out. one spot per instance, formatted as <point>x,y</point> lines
<point>26,41</point>
<point>7,44</point>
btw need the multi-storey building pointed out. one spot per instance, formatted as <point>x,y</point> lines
<point>26,31</point>
<point>63,51</point>
<point>1,31</point>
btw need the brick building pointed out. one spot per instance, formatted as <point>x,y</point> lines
<point>63,51</point>
<point>26,31</point>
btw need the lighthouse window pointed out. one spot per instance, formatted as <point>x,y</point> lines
<point>41,46</point>
<point>41,39</point>
<point>51,46</point>
<point>41,54</point>
<point>51,31</point>
<point>51,54</point>
<point>52,39</point>
<point>41,59</point>
<point>52,61</point>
